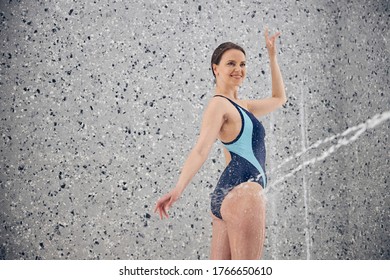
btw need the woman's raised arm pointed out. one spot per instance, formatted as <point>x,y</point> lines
<point>278,99</point>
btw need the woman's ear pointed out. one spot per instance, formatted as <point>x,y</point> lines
<point>215,69</point>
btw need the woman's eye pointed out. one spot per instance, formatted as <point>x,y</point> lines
<point>243,64</point>
<point>231,63</point>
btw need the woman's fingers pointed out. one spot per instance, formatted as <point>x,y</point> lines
<point>155,208</point>
<point>163,213</point>
<point>158,204</point>
<point>276,36</point>
<point>269,40</point>
<point>167,206</point>
<point>160,213</point>
<point>163,205</point>
<point>170,202</point>
<point>158,209</point>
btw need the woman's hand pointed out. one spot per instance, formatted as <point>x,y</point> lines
<point>165,202</point>
<point>270,42</point>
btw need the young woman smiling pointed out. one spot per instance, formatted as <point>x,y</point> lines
<point>237,203</point>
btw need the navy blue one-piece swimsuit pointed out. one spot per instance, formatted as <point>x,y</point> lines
<point>247,159</point>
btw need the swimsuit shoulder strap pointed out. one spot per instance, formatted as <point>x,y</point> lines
<point>221,96</point>
<point>231,101</point>
<point>239,108</point>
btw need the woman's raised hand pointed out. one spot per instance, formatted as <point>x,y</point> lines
<point>270,42</point>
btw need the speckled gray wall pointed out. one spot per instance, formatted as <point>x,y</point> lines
<point>102,100</point>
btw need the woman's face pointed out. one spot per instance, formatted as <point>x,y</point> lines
<point>231,69</point>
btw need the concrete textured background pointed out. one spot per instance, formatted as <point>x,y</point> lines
<point>102,100</point>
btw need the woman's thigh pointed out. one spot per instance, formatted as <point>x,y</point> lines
<point>220,248</point>
<point>243,211</point>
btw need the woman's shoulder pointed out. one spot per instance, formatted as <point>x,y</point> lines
<point>218,100</point>
<point>218,105</point>
<point>240,102</point>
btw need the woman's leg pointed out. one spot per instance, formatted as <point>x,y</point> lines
<point>220,248</point>
<point>243,211</point>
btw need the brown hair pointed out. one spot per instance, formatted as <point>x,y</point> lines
<point>220,50</point>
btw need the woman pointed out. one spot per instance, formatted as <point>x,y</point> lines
<point>237,204</point>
